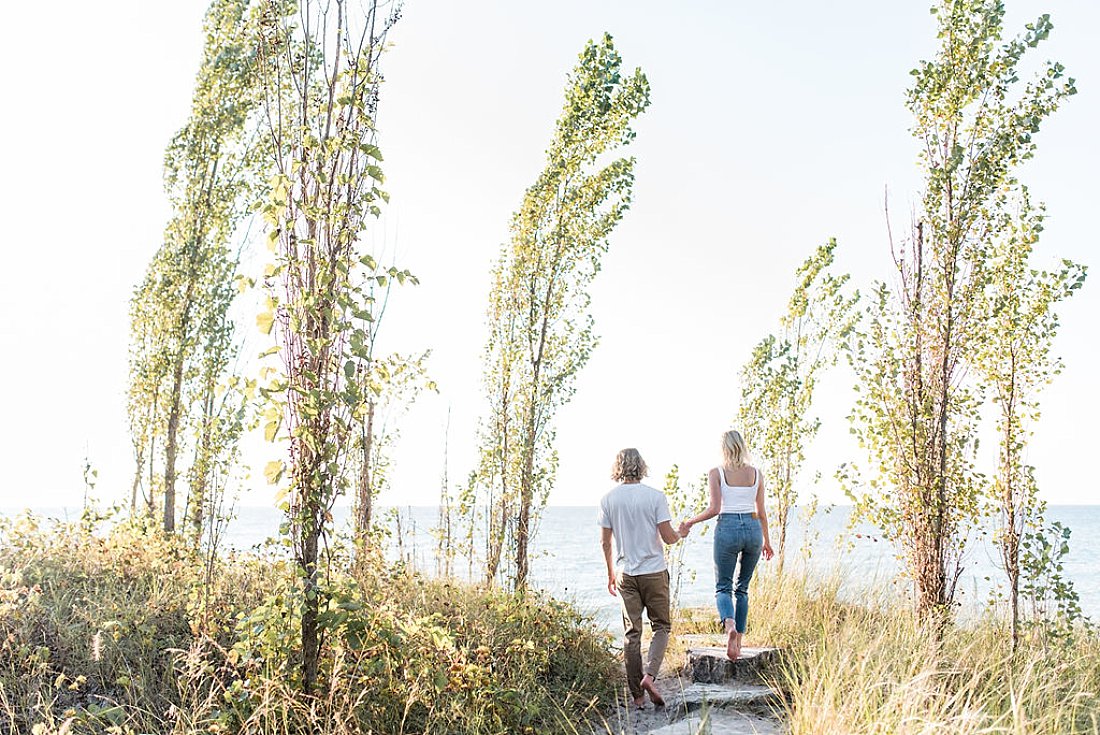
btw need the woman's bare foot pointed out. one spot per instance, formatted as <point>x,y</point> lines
<point>651,689</point>
<point>733,644</point>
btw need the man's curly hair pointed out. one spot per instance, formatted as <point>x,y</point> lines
<point>629,466</point>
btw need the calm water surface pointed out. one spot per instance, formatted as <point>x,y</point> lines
<point>567,560</point>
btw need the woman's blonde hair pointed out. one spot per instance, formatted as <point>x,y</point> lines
<point>629,465</point>
<point>733,449</point>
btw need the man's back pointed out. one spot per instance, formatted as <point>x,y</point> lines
<point>633,511</point>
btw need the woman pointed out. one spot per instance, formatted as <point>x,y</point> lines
<point>737,498</point>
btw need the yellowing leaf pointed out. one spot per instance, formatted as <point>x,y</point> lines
<point>273,471</point>
<point>264,321</point>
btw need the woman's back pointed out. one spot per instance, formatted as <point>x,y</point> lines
<point>739,487</point>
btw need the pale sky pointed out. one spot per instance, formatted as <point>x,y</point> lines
<point>773,127</point>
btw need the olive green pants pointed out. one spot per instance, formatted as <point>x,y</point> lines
<point>647,592</point>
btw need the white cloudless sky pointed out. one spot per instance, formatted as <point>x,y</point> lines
<point>774,126</point>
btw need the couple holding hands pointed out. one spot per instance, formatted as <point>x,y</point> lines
<point>637,517</point>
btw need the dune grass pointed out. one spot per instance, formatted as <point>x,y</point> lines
<point>859,663</point>
<point>120,629</point>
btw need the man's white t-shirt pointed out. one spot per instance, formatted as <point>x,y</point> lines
<point>632,512</point>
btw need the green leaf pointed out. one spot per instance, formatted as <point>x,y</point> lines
<point>371,150</point>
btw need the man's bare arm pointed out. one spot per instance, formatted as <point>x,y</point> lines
<point>605,542</point>
<point>668,533</point>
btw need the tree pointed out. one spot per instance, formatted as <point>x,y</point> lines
<point>182,340</point>
<point>916,412</point>
<point>1015,361</point>
<point>444,531</point>
<point>778,381</point>
<point>540,332</point>
<point>681,503</point>
<point>392,384</point>
<point>320,80</point>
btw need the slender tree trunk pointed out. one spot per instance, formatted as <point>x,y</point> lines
<point>523,525</point>
<point>151,500</point>
<point>1012,565</point>
<point>498,516</point>
<point>444,552</point>
<point>498,524</point>
<point>151,503</point>
<point>311,476</point>
<point>527,480</point>
<point>782,538</point>
<point>311,641</point>
<point>527,485</point>
<point>933,591</point>
<point>136,483</point>
<point>171,447</point>
<point>364,506</point>
<point>176,399</point>
<point>1011,543</point>
<point>197,497</point>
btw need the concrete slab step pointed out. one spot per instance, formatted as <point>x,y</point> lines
<point>722,723</point>
<point>732,708</point>
<point>740,696</point>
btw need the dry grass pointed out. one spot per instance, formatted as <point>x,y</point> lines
<point>113,630</point>
<point>869,668</point>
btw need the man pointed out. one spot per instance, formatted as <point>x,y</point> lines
<point>637,517</point>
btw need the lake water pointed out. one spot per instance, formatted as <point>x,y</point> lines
<point>567,560</point>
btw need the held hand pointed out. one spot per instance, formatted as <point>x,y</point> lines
<point>685,529</point>
<point>768,553</point>
<point>611,587</point>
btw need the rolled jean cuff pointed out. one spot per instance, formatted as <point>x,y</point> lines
<point>724,603</point>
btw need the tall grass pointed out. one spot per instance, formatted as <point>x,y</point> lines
<point>113,630</point>
<point>859,663</point>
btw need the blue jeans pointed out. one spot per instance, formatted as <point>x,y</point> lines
<point>738,537</point>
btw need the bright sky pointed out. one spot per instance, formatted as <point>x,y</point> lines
<point>773,127</point>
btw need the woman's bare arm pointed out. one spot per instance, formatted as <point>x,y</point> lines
<point>715,502</point>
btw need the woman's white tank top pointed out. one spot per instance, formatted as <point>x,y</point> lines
<point>738,498</point>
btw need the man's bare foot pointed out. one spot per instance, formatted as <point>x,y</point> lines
<point>651,689</point>
<point>639,702</point>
